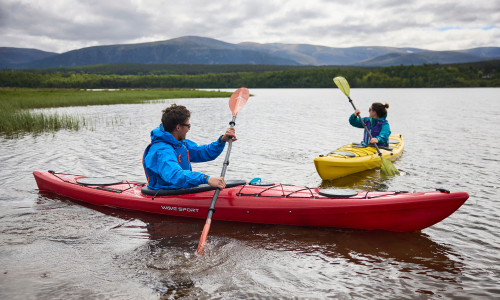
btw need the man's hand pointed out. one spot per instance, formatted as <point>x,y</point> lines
<point>230,133</point>
<point>217,182</point>
<point>374,140</point>
<point>356,112</point>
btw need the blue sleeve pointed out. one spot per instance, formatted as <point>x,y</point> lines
<point>354,121</point>
<point>384,134</point>
<point>204,153</point>
<point>170,170</point>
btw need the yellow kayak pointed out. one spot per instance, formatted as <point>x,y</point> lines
<point>355,158</point>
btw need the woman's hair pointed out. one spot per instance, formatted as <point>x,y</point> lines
<point>173,115</point>
<point>380,109</point>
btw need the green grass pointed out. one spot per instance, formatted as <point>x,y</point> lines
<point>15,105</point>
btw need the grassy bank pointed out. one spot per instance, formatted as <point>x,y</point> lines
<point>15,104</point>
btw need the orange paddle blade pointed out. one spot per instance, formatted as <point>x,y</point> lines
<point>203,238</point>
<point>238,99</point>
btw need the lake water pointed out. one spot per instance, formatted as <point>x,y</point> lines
<point>54,248</point>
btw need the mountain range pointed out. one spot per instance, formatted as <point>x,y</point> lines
<point>201,50</point>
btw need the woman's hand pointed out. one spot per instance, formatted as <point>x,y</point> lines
<point>230,133</point>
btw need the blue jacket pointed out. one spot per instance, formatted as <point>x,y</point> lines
<point>167,161</point>
<point>385,131</point>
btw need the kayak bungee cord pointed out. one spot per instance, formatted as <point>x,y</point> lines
<point>100,186</point>
<point>241,192</point>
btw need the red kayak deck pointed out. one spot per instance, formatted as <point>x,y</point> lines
<point>275,204</point>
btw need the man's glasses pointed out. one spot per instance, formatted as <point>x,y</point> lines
<point>370,109</point>
<point>188,125</point>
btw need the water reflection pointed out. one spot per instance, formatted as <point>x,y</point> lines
<point>417,251</point>
<point>369,180</point>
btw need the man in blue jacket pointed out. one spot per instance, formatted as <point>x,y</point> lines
<point>167,160</point>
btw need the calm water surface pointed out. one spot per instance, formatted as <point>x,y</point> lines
<point>52,247</point>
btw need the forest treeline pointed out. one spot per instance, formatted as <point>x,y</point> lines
<point>484,74</point>
<point>175,69</point>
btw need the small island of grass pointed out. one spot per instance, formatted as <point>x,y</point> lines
<point>15,105</point>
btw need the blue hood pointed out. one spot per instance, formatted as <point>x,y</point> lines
<point>160,135</point>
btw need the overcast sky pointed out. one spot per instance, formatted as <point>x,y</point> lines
<point>63,25</point>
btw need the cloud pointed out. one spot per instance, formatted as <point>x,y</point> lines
<point>62,25</point>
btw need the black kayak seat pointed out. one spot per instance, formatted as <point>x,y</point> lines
<point>358,145</point>
<point>345,153</point>
<point>197,189</point>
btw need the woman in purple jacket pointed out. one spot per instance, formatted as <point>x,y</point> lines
<point>377,124</point>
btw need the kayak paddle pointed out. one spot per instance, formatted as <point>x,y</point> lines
<point>387,167</point>
<point>238,99</point>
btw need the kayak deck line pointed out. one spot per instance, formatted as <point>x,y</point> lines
<point>360,150</point>
<point>283,195</point>
<point>98,187</point>
<point>132,184</point>
<point>279,204</point>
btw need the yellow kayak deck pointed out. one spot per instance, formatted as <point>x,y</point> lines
<point>353,158</point>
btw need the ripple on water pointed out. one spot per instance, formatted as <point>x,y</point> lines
<point>52,247</point>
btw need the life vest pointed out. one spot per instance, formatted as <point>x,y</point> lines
<point>181,153</point>
<point>375,131</point>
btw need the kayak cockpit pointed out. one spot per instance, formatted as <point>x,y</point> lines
<point>197,189</point>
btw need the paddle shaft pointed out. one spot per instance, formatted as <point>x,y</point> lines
<point>364,125</point>
<point>211,210</point>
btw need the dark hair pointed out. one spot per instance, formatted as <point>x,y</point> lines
<point>174,115</point>
<point>380,109</point>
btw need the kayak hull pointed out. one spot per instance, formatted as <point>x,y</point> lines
<point>278,204</point>
<point>335,164</point>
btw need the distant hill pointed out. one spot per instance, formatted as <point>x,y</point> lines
<point>14,56</point>
<point>424,57</point>
<point>320,55</point>
<point>185,50</point>
<point>207,51</point>
<point>483,51</point>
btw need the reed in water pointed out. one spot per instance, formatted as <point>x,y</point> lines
<point>16,103</point>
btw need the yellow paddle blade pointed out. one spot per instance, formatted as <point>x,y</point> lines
<point>238,100</point>
<point>388,168</point>
<point>343,85</point>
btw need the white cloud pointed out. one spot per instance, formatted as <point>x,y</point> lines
<point>62,25</point>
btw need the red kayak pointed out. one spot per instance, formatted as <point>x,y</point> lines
<point>266,203</point>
